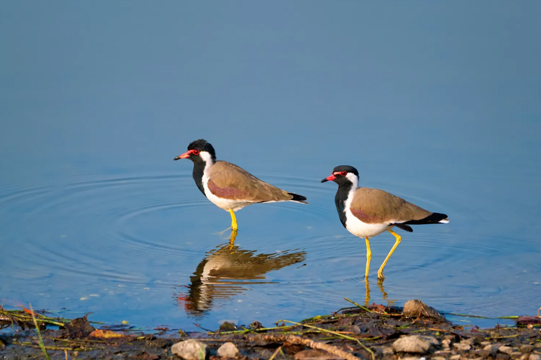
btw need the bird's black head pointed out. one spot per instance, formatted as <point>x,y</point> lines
<point>343,174</point>
<point>199,150</point>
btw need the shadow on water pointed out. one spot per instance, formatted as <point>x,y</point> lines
<point>227,271</point>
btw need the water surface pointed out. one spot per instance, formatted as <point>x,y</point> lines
<point>436,104</point>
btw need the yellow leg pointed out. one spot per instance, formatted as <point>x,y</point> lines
<point>368,258</point>
<point>234,226</point>
<point>398,239</point>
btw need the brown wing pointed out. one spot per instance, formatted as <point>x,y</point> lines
<point>374,206</point>
<point>229,181</point>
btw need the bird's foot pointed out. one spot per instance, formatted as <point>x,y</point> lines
<point>380,277</point>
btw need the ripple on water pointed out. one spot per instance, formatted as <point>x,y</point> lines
<point>154,242</point>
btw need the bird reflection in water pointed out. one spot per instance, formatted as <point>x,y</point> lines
<point>226,271</point>
<point>384,295</point>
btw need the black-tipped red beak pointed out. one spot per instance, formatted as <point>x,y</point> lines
<point>329,178</point>
<point>186,155</point>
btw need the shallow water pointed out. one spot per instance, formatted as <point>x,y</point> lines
<point>96,217</point>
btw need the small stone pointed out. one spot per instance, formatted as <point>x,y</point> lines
<point>313,354</point>
<point>227,326</point>
<point>354,329</point>
<point>190,350</point>
<point>502,356</point>
<point>526,348</point>
<point>493,348</point>
<point>446,344</point>
<point>417,344</point>
<point>535,357</point>
<point>437,358</point>
<point>416,308</point>
<point>515,354</point>
<point>455,357</point>
<point>462,346</point>
<point>384,351</point>
<point>485,343</point>
<point>505,349</point>
<point>524,357</point>
<point>228,350</point>
<point>256,325</point>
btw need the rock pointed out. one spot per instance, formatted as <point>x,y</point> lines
<point>455,357</point>
<point>416,308</point>
<point>515,354</point>
<point>535,357</point>
<point>505,349</point>
<point>437,358</point>
<point>78,328</point>
<point>446,344</point>
<point>313,354</point>
<point>493,348</point>
<point>354,329</point>
<point>415,344</point>
<point>526,348</point>
<point>227,326</point>
<point>384,351</point>
<point>228,350</point>
<point>190,350</point>
<point>256,325</point>
<point>462,346</point>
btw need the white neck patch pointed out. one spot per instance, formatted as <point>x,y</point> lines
<point>354,179</point>
<point>207,158</point>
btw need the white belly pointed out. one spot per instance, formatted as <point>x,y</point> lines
<point>362,229</point>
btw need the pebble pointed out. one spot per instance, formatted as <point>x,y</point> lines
<point>505,349</point>
<point>190,350</point>
<point>493,348</point>
<point>455,357</point>
<point>462,346</point>
<point>228,350</point>
<point>415,344</point>
<point>526,348</point>
<point>384,351</point>
<point>535,357</point>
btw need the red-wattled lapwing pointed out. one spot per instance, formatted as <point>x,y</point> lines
<point>228,186</point>
<point>368,212</point>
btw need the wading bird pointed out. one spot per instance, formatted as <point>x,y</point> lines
<point>368,212</point>
<point>228,186</point>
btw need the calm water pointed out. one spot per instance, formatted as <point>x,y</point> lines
<point>95,216</point>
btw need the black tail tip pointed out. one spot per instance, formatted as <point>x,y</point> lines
<point>299,198</point>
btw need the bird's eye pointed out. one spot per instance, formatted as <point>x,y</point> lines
<point>195,152</point>
<point>343,173</point>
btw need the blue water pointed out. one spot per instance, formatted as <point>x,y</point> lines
<point>437,105</point>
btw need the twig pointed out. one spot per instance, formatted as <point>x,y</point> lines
<point>337,334</point>
<point>275,353</point>
<point>310,343</point>
<point>41,344</point>
<point>360,306</point>
<point>482,317</point>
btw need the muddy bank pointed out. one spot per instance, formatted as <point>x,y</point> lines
<point>374,332</point>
